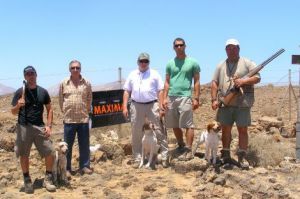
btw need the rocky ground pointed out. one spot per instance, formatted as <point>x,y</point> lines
<point>273,172</point>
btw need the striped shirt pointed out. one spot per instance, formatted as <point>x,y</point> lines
<point>75,102</point>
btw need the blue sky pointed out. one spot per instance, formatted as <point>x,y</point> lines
<point>105,35</point>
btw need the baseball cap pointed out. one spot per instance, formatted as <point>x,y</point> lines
<point>232,42</point>
<point>29,69</point>
<point>144,56</point>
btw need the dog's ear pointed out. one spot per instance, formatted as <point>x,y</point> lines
<point>210,126</point>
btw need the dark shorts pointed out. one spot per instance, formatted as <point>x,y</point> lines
<point>240,115</point>
<point>28,134</point>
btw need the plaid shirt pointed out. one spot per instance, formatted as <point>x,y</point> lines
<point>75,102</point>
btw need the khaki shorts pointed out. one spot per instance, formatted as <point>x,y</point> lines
<point>240,115</point>
<point>180,112</point>
<point>28,134</point>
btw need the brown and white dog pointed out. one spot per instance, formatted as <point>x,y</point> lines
<point>59,168</point>
<point>211,139</point>
<point>149,145</point>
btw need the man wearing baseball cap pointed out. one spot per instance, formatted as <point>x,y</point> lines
<point>228,75</point>
<point>145,86</point>
<point>28,102</point>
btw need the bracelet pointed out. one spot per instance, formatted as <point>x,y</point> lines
<point>50,126</point>
<point>213,99</point>
<point>196,98</point>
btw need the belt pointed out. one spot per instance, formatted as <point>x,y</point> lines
<point>153,101</point>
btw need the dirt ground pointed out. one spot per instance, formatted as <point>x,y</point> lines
<point>114,176</point>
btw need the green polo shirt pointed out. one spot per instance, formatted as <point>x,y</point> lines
<point>181,72</point>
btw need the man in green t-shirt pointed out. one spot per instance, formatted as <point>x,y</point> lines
<point>178,102</point>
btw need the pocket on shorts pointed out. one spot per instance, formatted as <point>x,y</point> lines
<point>187,104</point>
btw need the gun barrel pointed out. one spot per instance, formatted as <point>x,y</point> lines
<point>262,65</point>
<point>279,52</point>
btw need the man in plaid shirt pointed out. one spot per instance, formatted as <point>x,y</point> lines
<point>75,97</point>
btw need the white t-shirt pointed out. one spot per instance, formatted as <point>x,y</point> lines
<point>144,86</point>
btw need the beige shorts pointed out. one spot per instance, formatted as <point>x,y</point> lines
<point>180,112</point>
<point>28,134</point>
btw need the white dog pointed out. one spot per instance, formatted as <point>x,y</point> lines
<point>59,168</point>
<point>211,139</point>
<point>149,145</point>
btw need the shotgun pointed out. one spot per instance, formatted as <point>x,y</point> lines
<point>226,99</point>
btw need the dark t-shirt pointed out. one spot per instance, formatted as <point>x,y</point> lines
<point>32,112</point>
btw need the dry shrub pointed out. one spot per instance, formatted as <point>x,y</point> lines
<point>264,151</point>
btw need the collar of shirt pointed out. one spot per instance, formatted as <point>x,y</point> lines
<point>144,72</point>
<point>82,80</point>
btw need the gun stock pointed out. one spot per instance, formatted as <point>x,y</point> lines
<point>228,97</point>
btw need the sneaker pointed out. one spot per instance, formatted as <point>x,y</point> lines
<point>86,170</point>
<point>165,163</point>
<point>48,183</point>
<point>242,159</point>
<point>28,186</point>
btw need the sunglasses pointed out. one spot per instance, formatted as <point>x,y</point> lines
<point>144,61</point>
<point>75,67</point>
<point>177,45</point>
<point>29,73</point>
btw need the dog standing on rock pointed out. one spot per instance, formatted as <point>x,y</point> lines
<point>149,145</point>
<point>211,139</point>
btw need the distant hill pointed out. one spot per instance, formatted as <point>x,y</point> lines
<point>109,86</point>
<point>53,90</point>
<point>5,90</point>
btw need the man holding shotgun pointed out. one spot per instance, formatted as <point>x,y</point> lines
<point>228,77</point>
<point>28,102</point>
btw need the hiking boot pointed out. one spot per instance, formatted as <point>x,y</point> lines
<point>48,183</point>
<point>28,186</point>
<point>187,155</point>
<point>225,156</point>
<point>242,159</point>
<point>86,170</point>
<point>180,149</point>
